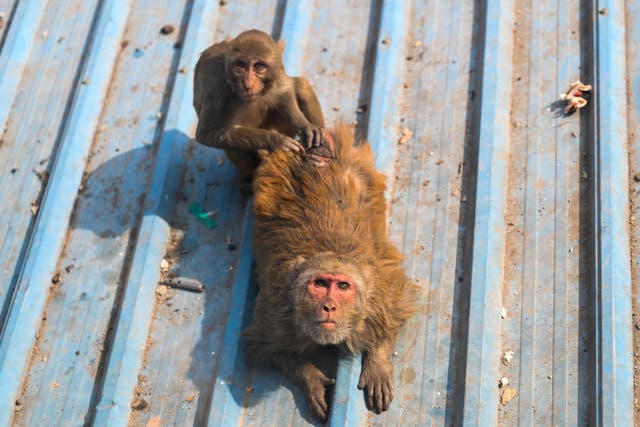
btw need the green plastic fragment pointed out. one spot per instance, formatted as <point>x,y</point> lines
<point>203,216</point>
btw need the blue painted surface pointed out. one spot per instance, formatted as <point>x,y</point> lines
<point>497,200</point>
<point>46,242</point>
<point>613,269</point>
<point>488,255</point>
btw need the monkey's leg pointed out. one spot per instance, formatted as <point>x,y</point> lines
<point>310,378</point>
<point>245,161</point>
<point>376,377</point>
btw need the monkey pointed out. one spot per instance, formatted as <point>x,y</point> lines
<point>245,102</point>
<point>326,270</point>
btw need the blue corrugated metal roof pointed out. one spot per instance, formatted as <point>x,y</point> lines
<point>519,222</point>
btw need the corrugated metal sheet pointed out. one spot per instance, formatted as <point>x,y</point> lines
<point>518,221</point>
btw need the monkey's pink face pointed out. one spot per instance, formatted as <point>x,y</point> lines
<point>331,293</point>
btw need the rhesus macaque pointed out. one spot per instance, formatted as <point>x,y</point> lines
<point>327,272</point>
<point>245,102</point>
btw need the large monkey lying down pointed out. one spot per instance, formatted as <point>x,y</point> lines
<point>327,272</point>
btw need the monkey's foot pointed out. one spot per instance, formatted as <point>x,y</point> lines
<point>376,379</point>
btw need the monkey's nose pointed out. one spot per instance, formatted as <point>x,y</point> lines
<point>328,307</point>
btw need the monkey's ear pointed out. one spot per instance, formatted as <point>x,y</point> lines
<point>281,45</point>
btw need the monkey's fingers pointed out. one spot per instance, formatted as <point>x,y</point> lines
<point>309,137</point>
<point>329,381</point>
<point>318,137</point>
<point>378,393</point>
<point>292,145</point>
<point>384,396</point>
<point>315,394</point>
<point>388,396</point>
<point>318,404</point>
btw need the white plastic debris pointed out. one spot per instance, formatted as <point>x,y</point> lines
<point>507,357</point>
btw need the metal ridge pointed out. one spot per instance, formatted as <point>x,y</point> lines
<point>134,321</point>
<point>480,404</point>
<point>348,405</point>
<point>614,375</point>
<point>47,240</point>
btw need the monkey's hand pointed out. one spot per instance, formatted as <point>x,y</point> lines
<point>310,136</point>
<point>315,388</point>
<point>376,379</point>
<point>282,142</point>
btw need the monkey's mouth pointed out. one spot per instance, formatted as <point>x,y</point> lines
<point>328,324</point>
<point>249,96</point>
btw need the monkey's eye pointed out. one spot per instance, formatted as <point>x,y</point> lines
<point>344,286</point>
<point>240,66</point>
<point>260,67</point>
<point>320,283</point>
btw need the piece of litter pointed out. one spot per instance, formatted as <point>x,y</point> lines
<point>507,395</point>
<point>203,216</point>
<point>507,357</point>
<point>184,283</point>
<point>503,313</point>
<point>167,29</point>
<point>164,264</point>
<point>139,404</point>
<point>575,96</point>
<point>503,382</point>
<point>406,135</point>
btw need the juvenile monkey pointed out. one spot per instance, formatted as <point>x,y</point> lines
<point>327,272</point>
<point>246,102</point>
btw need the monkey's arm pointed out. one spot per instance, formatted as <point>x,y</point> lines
<point>310,378</point>
<point>376,377</point>
<point>244,138</point>
<point>308,102</point>
<point>298,107</point>
<point>217,128</point>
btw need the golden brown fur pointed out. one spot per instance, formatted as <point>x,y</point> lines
<point>331,218</point>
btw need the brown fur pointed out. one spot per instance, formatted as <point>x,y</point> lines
<point>281,107</point>
<point>333,219</point>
